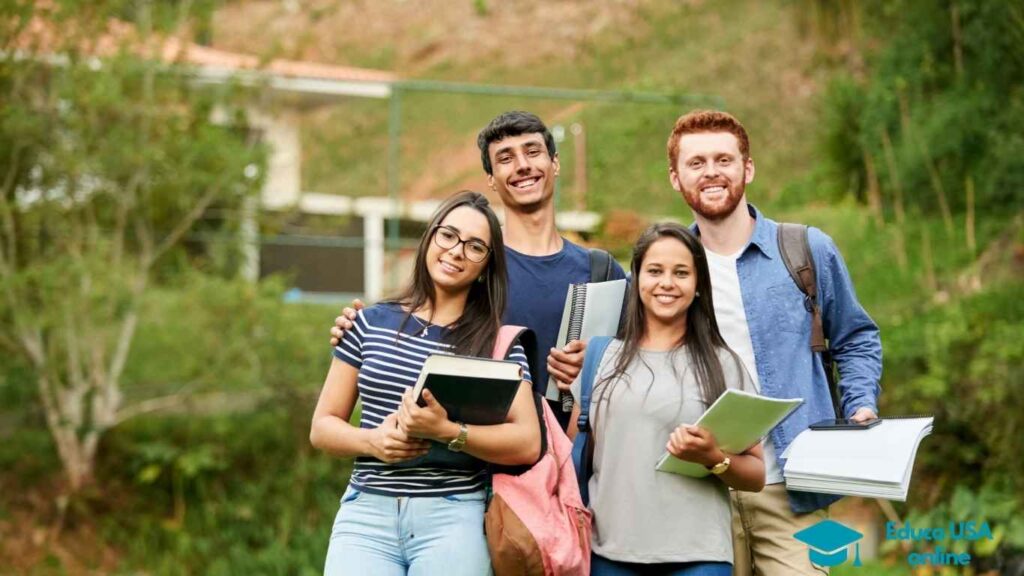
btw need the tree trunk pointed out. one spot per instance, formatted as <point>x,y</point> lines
<point>77,454</point>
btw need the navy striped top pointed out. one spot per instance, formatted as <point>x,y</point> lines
<point>389,364</point>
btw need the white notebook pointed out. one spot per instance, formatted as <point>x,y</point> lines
<point>876,462</point>
<point>591,309</point>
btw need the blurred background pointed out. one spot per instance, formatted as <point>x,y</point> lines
<point>191,190</point>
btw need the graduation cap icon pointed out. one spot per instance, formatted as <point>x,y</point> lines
<point>829,542</point>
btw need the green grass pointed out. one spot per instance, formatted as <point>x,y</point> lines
<point>750,54</point>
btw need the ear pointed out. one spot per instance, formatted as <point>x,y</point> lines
<point>749,176</point>
<point>490,182</point>
<point>557,165</point>
<point>673,178</point>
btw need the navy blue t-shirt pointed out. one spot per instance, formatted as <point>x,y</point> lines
<point>537,286</point>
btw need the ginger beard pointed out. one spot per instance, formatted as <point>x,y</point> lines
<point>717,198</point>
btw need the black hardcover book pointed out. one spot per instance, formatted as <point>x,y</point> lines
<point>473,390</point>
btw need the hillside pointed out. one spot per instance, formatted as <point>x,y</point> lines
<point>751,54</point>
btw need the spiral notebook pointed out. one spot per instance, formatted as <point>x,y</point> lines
<point>591,309</point>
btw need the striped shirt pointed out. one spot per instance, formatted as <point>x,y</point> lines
<point>389,364</point>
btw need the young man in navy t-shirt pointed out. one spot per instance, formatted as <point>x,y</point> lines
<point>519,156</point>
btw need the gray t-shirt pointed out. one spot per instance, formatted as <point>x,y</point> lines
<point>642,515</point>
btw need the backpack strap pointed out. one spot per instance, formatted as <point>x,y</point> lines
<point>583,444</point>
<point>795,248</point>
<point>508,336</point>
<point>591,361</point>
<point>796,253</point>
<point>600,265</point>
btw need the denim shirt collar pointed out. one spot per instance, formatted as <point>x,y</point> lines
<point>763,236</point>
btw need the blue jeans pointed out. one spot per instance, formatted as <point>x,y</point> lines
<point>604,567</point>
<point>398,535</point>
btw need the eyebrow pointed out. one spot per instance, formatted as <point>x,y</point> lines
<point>711,154</point>
<point>459,234</point>
<point>660,265</point>
<point>527,144</point>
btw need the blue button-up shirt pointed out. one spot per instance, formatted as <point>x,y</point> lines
<point>780,331</point>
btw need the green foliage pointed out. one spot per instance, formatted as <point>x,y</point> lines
<point>205,333</point>
<point>963,363</point>
<point>946,90</point>
<point>996,504</point>
<point>220,495</point>
<point>108,160</point>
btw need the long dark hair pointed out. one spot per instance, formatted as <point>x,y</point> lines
<point>702,339</point>
<point>473,334</point>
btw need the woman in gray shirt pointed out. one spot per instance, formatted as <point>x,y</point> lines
<point>669,366</point>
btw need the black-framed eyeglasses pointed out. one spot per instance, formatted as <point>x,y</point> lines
<point>475,250</point>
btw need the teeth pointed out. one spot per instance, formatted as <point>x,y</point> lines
<point>714,189</point>
<point>665,299</point>
<point>526,183</point>
<point>450,267</point>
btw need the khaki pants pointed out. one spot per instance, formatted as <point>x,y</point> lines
<point>762,534</point>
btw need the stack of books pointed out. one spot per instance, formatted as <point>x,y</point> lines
<point>875,463</point>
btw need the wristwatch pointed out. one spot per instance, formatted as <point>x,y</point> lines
<point>721,467</point>
<point>459,442</point>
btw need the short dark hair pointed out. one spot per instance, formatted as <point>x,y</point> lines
<point>512,123</point>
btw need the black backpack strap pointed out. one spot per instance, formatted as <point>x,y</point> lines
<point>796,253</point>
<point>600,265</point>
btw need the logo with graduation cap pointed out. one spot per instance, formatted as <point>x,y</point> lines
<point>829,542</point>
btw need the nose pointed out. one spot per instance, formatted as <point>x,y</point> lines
<point>521,164</point>
<point>457,251</point>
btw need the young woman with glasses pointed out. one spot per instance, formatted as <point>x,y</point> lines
<point>415,500</point>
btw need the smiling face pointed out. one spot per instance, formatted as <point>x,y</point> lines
<point>667,282</point>
<point>711,173</point>
<point>523,172</point>
<point>449,268</point>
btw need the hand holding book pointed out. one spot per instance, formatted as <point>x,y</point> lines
<point>429,421</point>
<point>694,444</point>
<point>391,444</point>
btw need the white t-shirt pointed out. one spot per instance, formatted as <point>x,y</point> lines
<point>732,322</point>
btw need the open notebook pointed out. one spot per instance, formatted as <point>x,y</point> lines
<point>875,463</point>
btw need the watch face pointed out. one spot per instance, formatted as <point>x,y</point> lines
<point>720,467</point>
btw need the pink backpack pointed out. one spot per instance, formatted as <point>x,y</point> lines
<point>536,522</point>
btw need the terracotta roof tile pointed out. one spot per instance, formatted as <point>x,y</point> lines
<point>40,36</point>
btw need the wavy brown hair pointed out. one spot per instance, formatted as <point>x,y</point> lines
<point>701,336</point>
<point>473,334</point>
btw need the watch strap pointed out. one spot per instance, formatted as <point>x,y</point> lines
<point>721,467</point>
<point>459,442</point>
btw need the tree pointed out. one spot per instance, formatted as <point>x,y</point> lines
<point>108,158</point>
